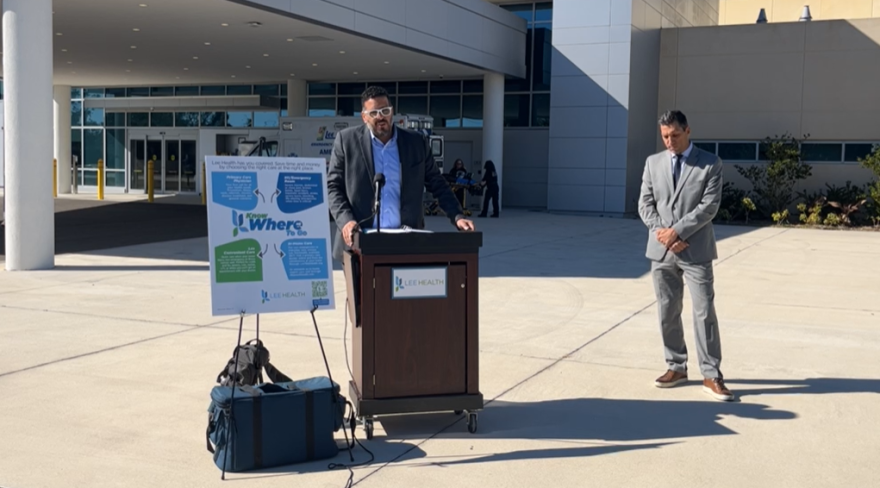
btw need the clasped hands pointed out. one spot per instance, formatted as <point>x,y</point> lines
<point>670,239</point>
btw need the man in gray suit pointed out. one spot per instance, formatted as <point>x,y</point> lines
<point>405,159</point>
<point>680,195</point>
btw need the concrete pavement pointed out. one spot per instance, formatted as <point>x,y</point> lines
<point>106,364</point>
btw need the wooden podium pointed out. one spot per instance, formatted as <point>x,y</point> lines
<point>413,299</point>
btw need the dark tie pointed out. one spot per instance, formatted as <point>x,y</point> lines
<point>676,169</point>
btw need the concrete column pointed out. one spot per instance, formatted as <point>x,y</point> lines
<point>297,98</point>
<point>27,82</point>
<point>493,125</point>
<point>62,137</point>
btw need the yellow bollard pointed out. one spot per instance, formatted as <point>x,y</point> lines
<point>100,179</point>
<point>150,181</point>
<point>204,186</point>
<point>54,178</point>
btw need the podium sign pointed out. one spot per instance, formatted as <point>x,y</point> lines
<point>268,235</point>
<point>414,302</point>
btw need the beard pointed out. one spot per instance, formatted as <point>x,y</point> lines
<point>381,128</point>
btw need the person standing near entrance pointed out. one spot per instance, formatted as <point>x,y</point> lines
<point>490,181</point>
<point>680,195</point>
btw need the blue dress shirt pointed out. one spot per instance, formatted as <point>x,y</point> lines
<point>386,160</point>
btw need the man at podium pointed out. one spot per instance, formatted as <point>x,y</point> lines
<point>379,161</point>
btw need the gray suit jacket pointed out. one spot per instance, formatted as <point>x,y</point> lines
<point>688,209</point>
<point>350,181</point>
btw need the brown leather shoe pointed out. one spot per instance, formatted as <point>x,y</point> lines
<point>671,379</point>
<point>715,388</point>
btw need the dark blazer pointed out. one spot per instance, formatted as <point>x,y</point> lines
<point>350,181</point>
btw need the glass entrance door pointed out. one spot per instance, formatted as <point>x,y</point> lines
<point>137,171</point>
<point>174,163</point>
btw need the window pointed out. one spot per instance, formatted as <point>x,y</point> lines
<point>516,110</point>
<point>707,146</point>
<point>114,119</point>
<point>186,91</point>
<point>821,152</point>
<point>412,105</point>
<point>162,119</point>
<point>472,111</point>
<point>446,111</point>
<point>738,151</point>
<point>138,119</point>
<point>854,151</point>
<point>811,152</point>
<point>322,107</point>
<point>186,119</point>
<point>541,110</point>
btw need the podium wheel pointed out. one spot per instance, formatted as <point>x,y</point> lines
<point>368,428</point>
<point>472,422</point>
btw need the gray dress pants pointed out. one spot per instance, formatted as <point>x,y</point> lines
<point>669,277</point>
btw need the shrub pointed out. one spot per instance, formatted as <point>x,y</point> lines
<point>773,182</point>
<point>872,162</point>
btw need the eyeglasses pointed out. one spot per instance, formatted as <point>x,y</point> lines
<point>384,112</point>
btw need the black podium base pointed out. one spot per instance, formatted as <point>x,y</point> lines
<point>366,410</point>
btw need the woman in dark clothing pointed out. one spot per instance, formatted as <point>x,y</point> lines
<point>458,172</point>
<point>490,181</point>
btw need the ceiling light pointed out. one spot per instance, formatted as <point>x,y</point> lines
<point>290,40</point>
<point>128,71</point>
<point>224,24</point>
<point>186,69</point>
<point>233,76</point>
<point>143,5</point>
<point>314,64</point>
<point>355,73</point>
<point>134,47</point>
<point>248,67</point>
<point>195,57</point>
<point>423,71</point>
<point>70,62</point>
<point>265,55</point>
<point>130,60</point>
<point>207,43</point>
<point>57,33</point>
<point>341,52</point>
<point>291,74</point>
<point>387,62</point>
<point>136,29</point>
<point>63,50</point>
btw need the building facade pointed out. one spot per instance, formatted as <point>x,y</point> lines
<point>563,96</point>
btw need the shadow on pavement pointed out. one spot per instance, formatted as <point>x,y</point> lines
<point>582,421</point>
<point>384,452</point>
<point>90,225</point>
<point>809,386</point>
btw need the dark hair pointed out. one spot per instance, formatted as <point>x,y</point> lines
<point>373,92</point>
<point>489,166</point>
<point>672,117</point>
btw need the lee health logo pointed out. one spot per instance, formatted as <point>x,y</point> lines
<point>238,223</point>
<point>280,295</point>
<point>398,284</point>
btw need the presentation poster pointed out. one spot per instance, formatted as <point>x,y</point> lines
<point>268,235</point>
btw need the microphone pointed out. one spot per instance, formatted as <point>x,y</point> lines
<point>378,183</point>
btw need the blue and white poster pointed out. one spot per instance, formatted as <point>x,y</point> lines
<point>268,235</point>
